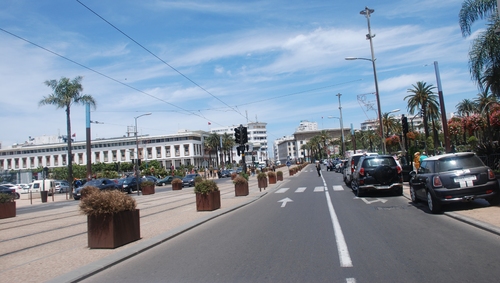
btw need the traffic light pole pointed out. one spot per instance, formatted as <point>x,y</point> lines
<point>241,137</point>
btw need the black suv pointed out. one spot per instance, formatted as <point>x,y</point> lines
<point>377,173</point>
<point>454,177</point>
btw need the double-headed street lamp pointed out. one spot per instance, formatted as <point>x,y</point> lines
<point>366,12</point>
<point>137,152</point>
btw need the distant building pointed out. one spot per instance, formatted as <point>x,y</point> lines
<point>257,141</point>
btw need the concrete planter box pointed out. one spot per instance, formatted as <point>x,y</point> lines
<point>241,189</point>
<point>148,190</point>
<point>208,202</point>
<point>109,231</point>
<point>7,209</point>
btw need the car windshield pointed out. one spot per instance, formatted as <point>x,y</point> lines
<point>93,183</point>
<point>458,163</point>
<point>190,175</point>
<point>374,162</point>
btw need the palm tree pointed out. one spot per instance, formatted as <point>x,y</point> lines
<point>465,108</point>
<point>391,125</point>
<point>484,54</point>
<point>212,143</point>
<point>484,100</point>
<point>67,93</point>
<point>422,98</point>
<point>227,145</point>
<point>323,137</point>
<point>473,10</point>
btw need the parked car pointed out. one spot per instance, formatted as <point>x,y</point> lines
<point>167,180</point>
<point>188,181</point>
<point>129,184</point>
<point>454,177</point>
<point>352,161</point>
<point>62,186</point>
<point>15,188</point>
<point>9,190</point>
<point>377,173</point>
<point>102,184</point>
<point>225,173</point>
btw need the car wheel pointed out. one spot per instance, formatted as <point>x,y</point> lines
<point>413,194</point>
<point>17,196</point>
<point>432,203</point>
<point>494,200</point>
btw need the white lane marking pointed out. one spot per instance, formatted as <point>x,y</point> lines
<point>300,189</point>
<point>338,188</point>
<point>285,201</point>
<point>319,189</point>
<point>350,280</point>
<point>372,201</point>
<point>281,191</point>
<point>345,258</point>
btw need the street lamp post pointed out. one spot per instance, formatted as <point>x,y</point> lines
<point>443,110</point>
<point>366,12</point>
<point>342,135</point>
<point>341,125</point>
<point>137,172</point>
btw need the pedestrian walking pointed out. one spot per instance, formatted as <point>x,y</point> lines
<point>318,168</point>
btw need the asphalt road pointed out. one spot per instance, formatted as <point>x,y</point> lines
<point>304,233</point>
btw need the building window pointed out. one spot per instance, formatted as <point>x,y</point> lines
<point>177,151</point>
<point>167,151</point>
<point>186,150</point>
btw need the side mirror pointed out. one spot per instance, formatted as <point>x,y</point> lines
<point>413,174</point>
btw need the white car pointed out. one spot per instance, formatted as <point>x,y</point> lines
<point>16,188</point>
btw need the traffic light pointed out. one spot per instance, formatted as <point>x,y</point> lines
<point>244,135</point>
<point>404,122</point>
<point>237,135</point>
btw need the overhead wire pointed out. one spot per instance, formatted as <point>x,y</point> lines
<point>157,57</point>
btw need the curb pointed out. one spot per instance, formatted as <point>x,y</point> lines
<point>468,220</point>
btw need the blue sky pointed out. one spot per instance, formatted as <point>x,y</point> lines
<point>223,62</point>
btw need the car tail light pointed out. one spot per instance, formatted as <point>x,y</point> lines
<point>436,181</point>
<point>362,171</point>
<point>491,174</point>
<point>399,170</point>
<point>352,166</point>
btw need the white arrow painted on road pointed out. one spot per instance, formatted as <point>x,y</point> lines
<point>284,201</point>
<point>372,201</point>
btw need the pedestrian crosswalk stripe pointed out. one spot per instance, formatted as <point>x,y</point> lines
<point>282,190</point>
<point>300,190</point>
<point>338,188</point>
<point>319,189</point>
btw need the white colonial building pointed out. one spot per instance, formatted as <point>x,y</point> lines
<point>184,147</point>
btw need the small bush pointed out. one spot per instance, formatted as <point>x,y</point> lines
<point>147,184</point>
<point>6,198</point>
<point>106,202</point>
<point>244,175</point>
<point>198,179</point>
<point>176,181</point>
<point>205,186</point>
<point>240,180</point>
<point>279,173</point>
<point>271,174</point>
<point>261,176</point>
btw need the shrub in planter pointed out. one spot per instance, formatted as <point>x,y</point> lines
<point>240,186</point>
<point>262,180</point>
<point>176,184</point>
<point>207,195</point>
<point>7,206</point>
<point>112,218</point>
<point>148,187</point>
<point>233,175</point>
<point>198,179</point>
<point>272,177</point>
<point>279,175</point>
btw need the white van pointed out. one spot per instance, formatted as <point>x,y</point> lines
<point>38,186</point>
